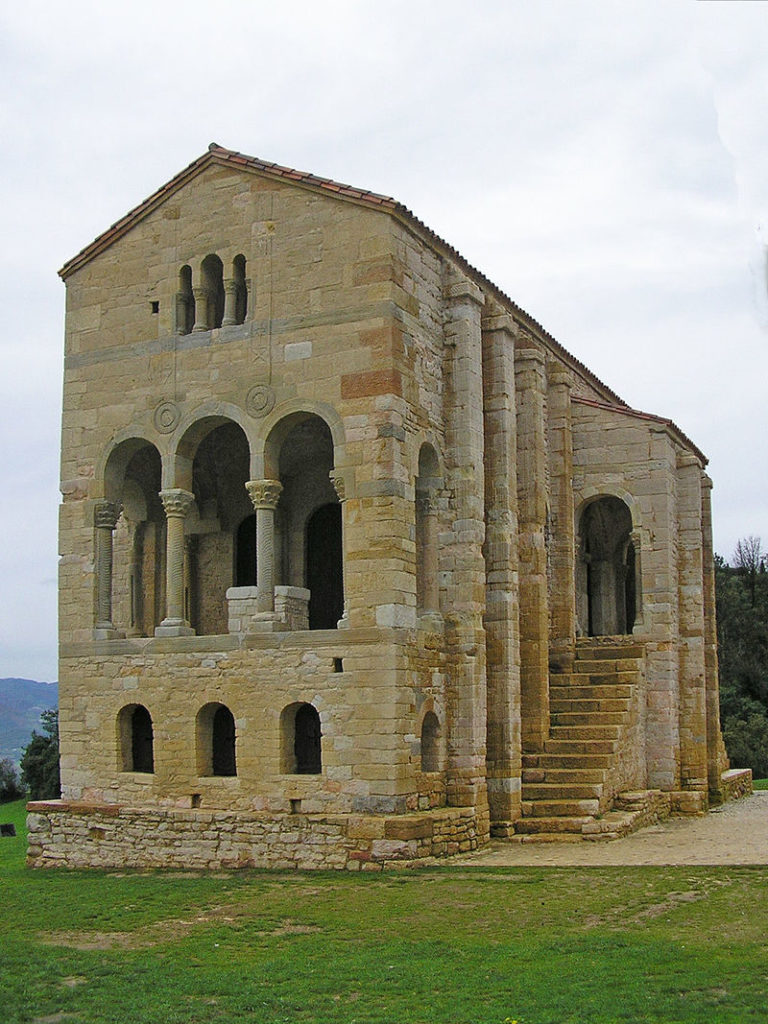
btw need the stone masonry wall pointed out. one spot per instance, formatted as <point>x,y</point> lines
<point>78,835</point>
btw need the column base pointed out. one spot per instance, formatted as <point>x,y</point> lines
<point>267,622</point>
<point>106,631</point>
<point>174,627</point>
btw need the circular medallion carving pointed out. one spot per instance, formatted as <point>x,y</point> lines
<point>260,400</point>
<point>167,416</point>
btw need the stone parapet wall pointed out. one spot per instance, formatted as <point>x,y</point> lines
<point>81,835</point>
<point>735,783</point>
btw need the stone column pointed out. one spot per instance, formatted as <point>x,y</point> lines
<point>502,611</point>
<point>463,554</point>
<point>337,479</point>
<point>715,747</point>
<point>530,386</point>
<point>177,504</point>
<point>202,322</point>
<point>230,302</point>
<point>265,494</point>
<point>562,555</point>
<point>106,515</point>
<point>427,556</point>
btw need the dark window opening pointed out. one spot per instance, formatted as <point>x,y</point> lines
<point>223,742</point>
<point>338,664</point>
<point>213,282</point>
<point>306,746</point>
<point>142,752</point>
<point>241,289</point>
<point>185,307</point>
<point>324,567</point>
<point>155,307</point>
<point>430,748</point>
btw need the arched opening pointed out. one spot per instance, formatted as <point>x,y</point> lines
<point>608,582</point>
<point>132,484</point>
<point>185,302</point>
<point>430,743</point>
<point>136,740</point>
<point>324,567</point>
<point>216,739</point>
<point>220,468</point>
<point>301,734</point>
<point>212,270</point>
<point>241,289</point>
<point>245,553</point>
<point>308,523</point>
<point>427,484</point>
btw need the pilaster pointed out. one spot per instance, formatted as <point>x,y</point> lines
<point>464,561</point>
<point>562,552</point>
<point>530,386</point>
<point>502,613</point>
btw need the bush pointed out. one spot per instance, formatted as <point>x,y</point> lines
<point>40,761</point>
<point>10,787</point>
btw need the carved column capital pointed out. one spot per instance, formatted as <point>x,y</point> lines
<point>339,484</point>
<point>106,514</point>
<point>177,502</point>
<point>425,505</point>
<point>264,493</point>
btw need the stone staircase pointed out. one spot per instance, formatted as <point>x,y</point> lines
<point>568,790</point>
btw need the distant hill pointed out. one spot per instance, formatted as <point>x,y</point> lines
<point>21,701</point>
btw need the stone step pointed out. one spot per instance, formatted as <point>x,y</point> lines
<point>598,652</point>
<point>560,808</point>
<point>573,824</point>
<point>561,760</point>
<point>555,746</point>
<point>601,706</point>
<point>591,691</point>
<point>551,837</point>
<point>563,776</point>
<point>561,791</point>
<point>570,719</point>
<point>606,666</point>
<point>584,732</point>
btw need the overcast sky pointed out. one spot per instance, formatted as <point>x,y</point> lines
<point>605,163</point>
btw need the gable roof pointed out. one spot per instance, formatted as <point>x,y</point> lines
<point>218,155</point>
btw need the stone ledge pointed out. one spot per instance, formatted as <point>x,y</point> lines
<point>736,783</point>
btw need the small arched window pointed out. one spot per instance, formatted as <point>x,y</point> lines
<point>213,282</point>
<point>241,289</point>
<point>216,741</point>
<point>430,743</point>
<point>301,740</point>
<point>185,302</point>
<point>136,739</point>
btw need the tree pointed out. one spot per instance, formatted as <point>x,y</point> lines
<point>40,760</point>
<point>750,560</point>
<point>10,788</point>
<point>742,640</point>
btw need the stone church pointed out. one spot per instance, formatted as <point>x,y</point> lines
<point>358,564</point>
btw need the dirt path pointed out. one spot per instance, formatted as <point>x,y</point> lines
<point>736,833</point>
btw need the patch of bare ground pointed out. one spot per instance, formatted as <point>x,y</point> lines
<point>161,932</point>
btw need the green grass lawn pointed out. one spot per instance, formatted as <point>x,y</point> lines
<point>760,783</point>
<point>449,946</point>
